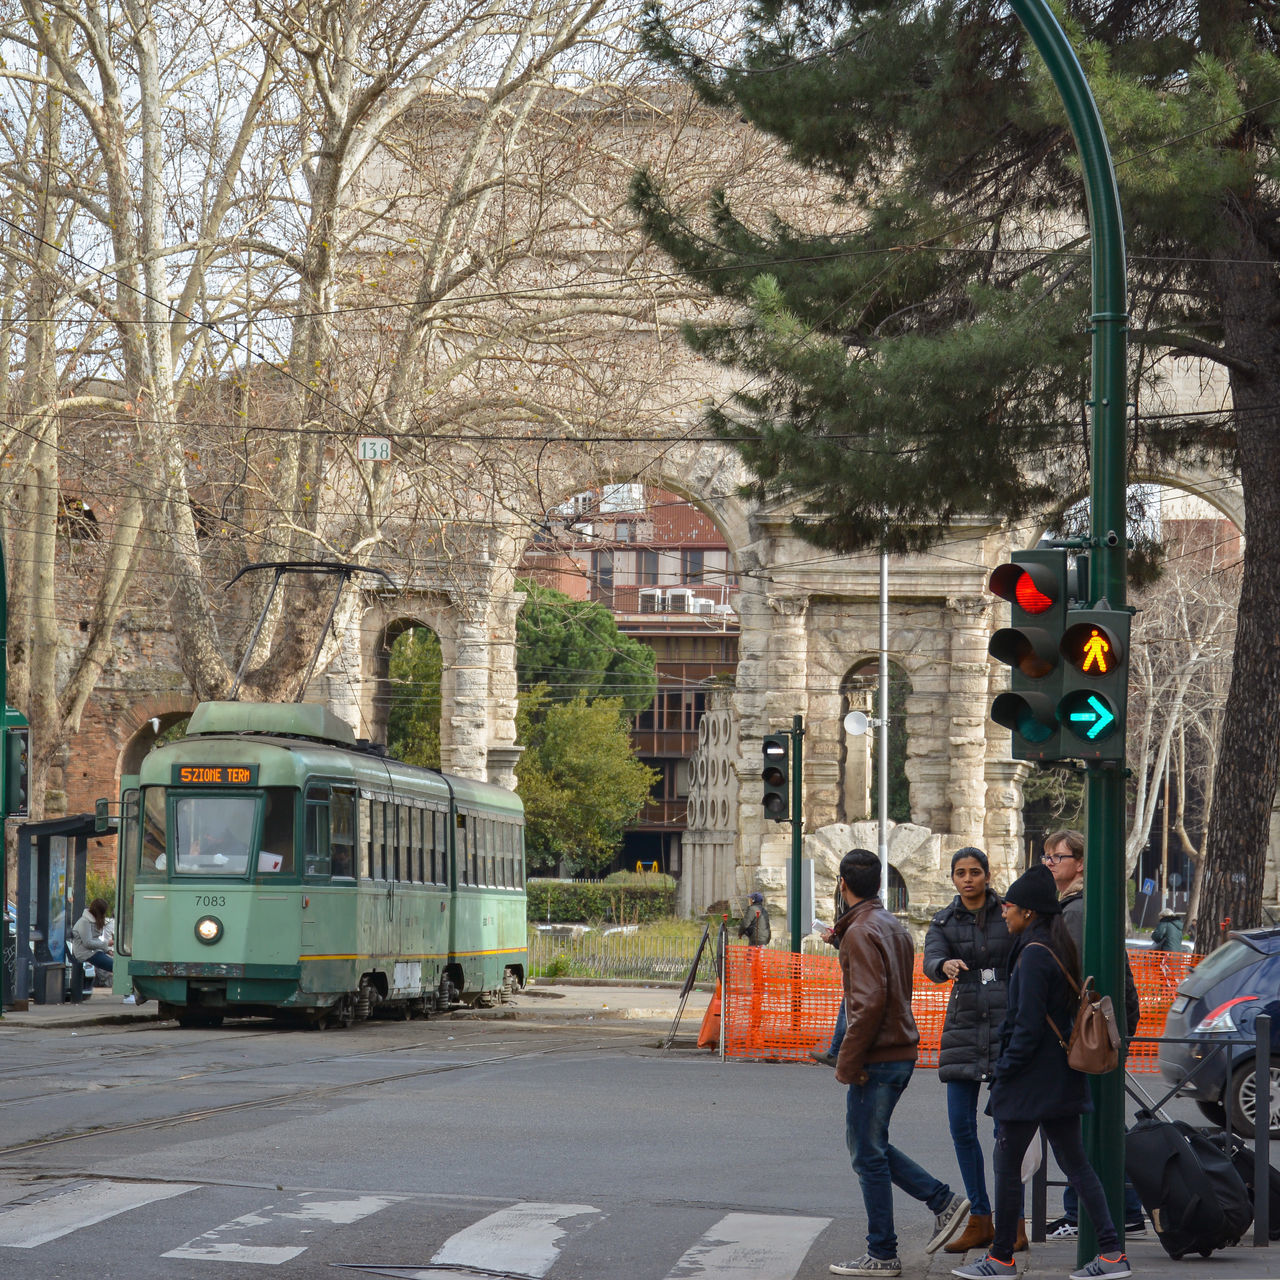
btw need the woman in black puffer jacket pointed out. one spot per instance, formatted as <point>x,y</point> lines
<point>968,944</point>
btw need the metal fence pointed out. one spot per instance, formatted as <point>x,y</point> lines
<point>632,956</point>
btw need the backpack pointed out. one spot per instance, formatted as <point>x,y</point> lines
<point>1094,1047</point>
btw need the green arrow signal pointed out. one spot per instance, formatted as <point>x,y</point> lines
<point>1099,713</point>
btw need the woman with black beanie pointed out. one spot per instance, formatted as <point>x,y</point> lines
<point>1034,1088</point>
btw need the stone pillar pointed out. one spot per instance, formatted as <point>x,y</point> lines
<point>464,727</point>
<point>970,625</point>
<point>1003,831</point>
<point>503,753</point>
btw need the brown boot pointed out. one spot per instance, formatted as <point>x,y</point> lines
<point>977,1234</point>
<point>1021,1244</point>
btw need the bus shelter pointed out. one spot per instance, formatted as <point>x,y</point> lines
<point>52,858</point>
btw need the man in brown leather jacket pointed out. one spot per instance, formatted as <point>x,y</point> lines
<point>876,1060</point>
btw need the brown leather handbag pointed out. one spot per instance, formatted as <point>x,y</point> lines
<point>1094,1047</point>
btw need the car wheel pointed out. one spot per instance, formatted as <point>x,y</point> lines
<point>1244,1100</point>
<point>1214,1112</point>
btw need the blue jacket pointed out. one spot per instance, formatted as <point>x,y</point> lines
<point>1031,1078</point>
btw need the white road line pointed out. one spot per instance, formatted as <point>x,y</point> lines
<point>29,1225</point>
<point>213,1245</point>
<point>750,1246</point>
<point>525,1239</point>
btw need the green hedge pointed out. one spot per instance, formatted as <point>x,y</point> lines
<point>572,902</point>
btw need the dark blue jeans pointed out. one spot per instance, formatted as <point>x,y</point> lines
<point>837,1036</point>
<point>100,960</point>
<point>881,1167</point>
<point>962,1116</point>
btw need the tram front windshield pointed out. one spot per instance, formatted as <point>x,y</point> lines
<point>214,834</point>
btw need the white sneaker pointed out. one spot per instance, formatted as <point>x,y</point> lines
<point>129,999</point>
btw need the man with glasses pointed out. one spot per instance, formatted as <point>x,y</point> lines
<point>1064,856</point>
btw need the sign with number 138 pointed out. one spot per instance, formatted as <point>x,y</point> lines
<point>374,449</point>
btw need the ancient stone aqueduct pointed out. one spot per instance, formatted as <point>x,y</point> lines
<point>808,620</point>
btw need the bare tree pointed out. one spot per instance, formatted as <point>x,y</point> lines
<point>1180,667</point>
<point>240,240</point>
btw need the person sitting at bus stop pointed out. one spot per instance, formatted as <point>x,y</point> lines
<point>89,944</point>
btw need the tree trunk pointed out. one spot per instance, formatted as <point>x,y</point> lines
<point>1249,755</point>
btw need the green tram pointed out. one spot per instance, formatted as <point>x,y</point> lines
<point>270,864</point>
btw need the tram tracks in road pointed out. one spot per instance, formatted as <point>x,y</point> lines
<point>290,1098</point>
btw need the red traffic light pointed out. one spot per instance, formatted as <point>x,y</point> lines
<point>1033,588</point>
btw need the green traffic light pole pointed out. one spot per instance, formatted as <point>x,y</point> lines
<point>797,829</point>
<point>1104,895</point>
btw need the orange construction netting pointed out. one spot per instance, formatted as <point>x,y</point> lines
<point>779,1005</point>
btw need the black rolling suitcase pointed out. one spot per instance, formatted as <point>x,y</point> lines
<point>1242,1158</point>
<point>1195,1198</point>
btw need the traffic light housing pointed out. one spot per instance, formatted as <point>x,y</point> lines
<point>776,777</point>
<point>1095,683</point>
<point>15,772</point>
<point>1035,584</point>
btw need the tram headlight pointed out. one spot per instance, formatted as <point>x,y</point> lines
<point>209,929</point>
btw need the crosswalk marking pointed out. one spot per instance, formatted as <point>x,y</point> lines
<point>525,1238</point>
<point>30,1225</point>
<point>213,1246</point>
<point>750,1246</point>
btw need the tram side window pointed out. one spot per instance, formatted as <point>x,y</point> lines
<point>342,812</point>
<point>408,847</point>
<point>153,857</point>
<point>366,837</point>
<point>418,816</point>
<point>439,848</point>
<point>504,854</point>
<point>462,838</point>
<point>276,855</point>
<point>316,850</point>
<point>378,835</point>
<point>490,851</point>
<point>130,834</point>
<point>519,857</point>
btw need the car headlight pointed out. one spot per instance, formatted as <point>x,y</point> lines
<point>1220,1019</point>
<point>209,929</point>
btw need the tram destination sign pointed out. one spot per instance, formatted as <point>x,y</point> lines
<point>215,775</point>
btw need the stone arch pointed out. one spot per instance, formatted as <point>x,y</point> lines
<point>476,630</point>
<point>142,724</point>
<point>857,789</point>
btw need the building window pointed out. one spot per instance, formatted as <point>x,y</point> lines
<point>691,566</point>
<point>602,576</point>
<point>647,568</point>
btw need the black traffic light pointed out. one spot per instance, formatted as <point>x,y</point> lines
<point>1095,683</point>
<point>15,772</point>
<point>1035,585</point>
<point>775,776</point>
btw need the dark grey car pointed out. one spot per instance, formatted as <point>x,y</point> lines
<point>1221,998</point>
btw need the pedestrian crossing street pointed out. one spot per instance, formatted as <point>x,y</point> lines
<point>302,1233</point>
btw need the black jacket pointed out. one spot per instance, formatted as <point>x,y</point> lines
<point>1032,1078</point>
<point>975,1008</point>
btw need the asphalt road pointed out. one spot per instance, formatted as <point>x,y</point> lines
<point>442,1148</point>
